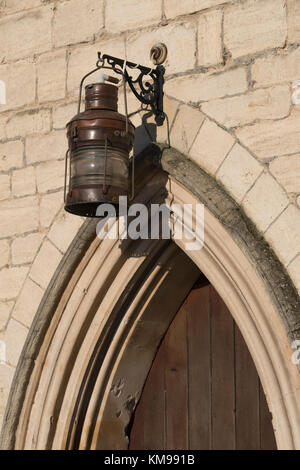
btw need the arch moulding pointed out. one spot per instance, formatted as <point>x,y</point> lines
<point>98,327</point>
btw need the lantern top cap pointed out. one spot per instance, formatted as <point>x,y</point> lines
<point>101,96</point>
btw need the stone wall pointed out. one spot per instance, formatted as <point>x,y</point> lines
<point>231,73</point>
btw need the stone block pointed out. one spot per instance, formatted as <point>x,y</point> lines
<point>211,146</point>
<point>238,172</point>
<point>265,201</point>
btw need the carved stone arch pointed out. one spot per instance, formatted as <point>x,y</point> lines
<point>76,387</point>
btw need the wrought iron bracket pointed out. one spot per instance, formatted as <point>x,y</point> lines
<point>148,92</point>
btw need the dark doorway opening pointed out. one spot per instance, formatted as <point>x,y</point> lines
<point>203,390</point>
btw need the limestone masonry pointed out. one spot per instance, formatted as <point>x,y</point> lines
<point>230,78</point>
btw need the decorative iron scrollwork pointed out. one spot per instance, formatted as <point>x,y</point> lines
<point>148,92</point>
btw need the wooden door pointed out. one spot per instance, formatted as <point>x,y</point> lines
<point>203,391</point>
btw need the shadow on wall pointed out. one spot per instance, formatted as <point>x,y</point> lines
<point>145,219</point>
<point>144,134</point>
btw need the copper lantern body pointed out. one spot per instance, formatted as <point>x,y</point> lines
<point>100,141</point>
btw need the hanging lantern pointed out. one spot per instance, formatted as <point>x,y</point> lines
<point>100,139</point>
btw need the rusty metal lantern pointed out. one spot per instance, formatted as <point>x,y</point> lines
<point>100,139</point>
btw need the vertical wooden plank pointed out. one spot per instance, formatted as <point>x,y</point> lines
<point>247,397</point>
<point>148,430</point>
<point>223,386</point>
<point>197,307</point>
<point>176,384</point>
<point>267,437</point>
<point>154,424</point>
<point>136,441</point>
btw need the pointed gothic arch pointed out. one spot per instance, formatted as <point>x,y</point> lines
<point>75,386</point>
